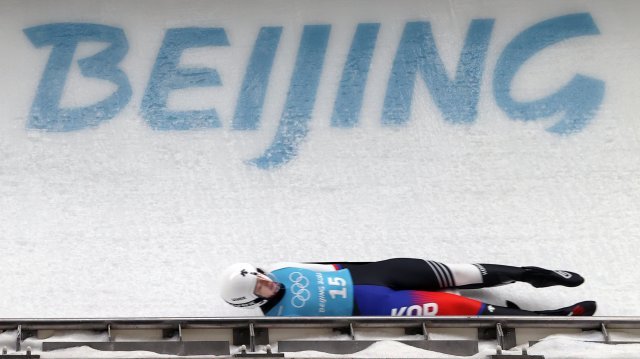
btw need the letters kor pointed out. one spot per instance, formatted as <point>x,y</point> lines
<point>416,56</point>
<point>426,310</point>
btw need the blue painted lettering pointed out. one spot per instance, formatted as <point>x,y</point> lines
<point>46,113</point>
<point>293,126</point>
<point>579,99</point>
<point>256,79</point>
<point>417,55</point>
<point>167,76</point>
<point>457,99</point>
<point>346,111</point>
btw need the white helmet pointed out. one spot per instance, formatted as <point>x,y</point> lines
<point>238,286</point>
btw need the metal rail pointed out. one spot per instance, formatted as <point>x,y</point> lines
<point>586,323</point>
<point>248,332</point>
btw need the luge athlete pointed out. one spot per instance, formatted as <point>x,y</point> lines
<point>396,287</point>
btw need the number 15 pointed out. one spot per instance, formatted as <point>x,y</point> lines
<point>338,282</point>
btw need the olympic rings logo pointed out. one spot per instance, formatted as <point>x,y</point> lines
<point>299,289</point>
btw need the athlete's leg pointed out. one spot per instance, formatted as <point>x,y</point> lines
<point>377,300</point>
<point>495,274</point>
<point>400,274</point>
<point>420,274</point>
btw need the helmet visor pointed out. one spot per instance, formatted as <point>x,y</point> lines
<point>266,287</point>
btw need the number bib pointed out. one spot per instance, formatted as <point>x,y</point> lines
<point>309,293</point>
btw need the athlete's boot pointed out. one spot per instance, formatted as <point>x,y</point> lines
<point>540,277</point>
<point>497,274</point>
<point>586,308</point>
<point>582,309</point>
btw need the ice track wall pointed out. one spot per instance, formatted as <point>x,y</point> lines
<point>146,144</point>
